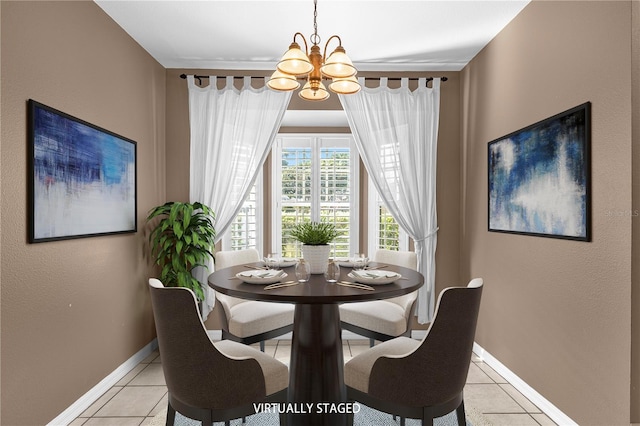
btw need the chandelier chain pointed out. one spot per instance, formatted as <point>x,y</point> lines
<point>315,38</point>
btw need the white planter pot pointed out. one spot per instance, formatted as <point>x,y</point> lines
<point>317,257</point>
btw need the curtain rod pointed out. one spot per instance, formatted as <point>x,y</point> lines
<point>237,77</point>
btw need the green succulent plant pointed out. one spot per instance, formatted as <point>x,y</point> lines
<point>181,240</point>
<point>314,233</point>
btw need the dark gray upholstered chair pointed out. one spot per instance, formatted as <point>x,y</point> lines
<point>209,381</point>
<point>421,379</point>
<point>250,321</point>
<point>383,319</point>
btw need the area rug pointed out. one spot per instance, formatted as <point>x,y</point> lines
<point>366,417</point>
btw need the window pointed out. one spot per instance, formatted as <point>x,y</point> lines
<point>246,230</point>
<point>384,231</point>
<point>315,177</point>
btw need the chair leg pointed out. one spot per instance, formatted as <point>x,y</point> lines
<point>262,346</point>
<point>402,420</point>
<point>462,420</point>
<point>427,417</point>
<point>372,342</point>
<point>350,418</point>
<point>208,418</point>
<point>171,415</point>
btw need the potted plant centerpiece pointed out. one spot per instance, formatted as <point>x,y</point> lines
<point>315,238</point>
<point>181,240</point>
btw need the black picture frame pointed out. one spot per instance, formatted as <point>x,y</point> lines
<point>82,178</point>
<point>539,178</point>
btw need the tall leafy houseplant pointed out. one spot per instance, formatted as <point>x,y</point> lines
<point>315,238</point>
<point>181,240</point>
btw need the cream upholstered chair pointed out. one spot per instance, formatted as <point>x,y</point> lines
<point>209,381</point>
<point>250,321</point>
<point>382,319</point>
<point>421,379</point>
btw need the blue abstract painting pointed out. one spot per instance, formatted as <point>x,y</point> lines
<point>539,178</point>
<point>83,180</point>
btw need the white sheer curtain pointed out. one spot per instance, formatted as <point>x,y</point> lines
<point>396,132</point>
<point>231,134</point>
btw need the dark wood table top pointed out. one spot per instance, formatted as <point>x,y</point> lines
<point>316,290</point>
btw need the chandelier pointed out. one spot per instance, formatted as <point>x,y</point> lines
<point>314,66</point>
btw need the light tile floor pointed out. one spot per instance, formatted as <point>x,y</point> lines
<point>142,393</point>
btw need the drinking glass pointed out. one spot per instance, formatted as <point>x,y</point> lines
<point>332,273</point>
<point>303,271</point>
<point>272,261</point>
<point>359,261</point>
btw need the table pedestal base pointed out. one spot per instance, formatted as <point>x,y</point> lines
<point>317,392</point>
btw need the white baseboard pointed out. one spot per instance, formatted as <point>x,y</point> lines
<point>541,402</point>
<point>85,401</point>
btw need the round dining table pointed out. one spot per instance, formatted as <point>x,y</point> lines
<point>316,394</point>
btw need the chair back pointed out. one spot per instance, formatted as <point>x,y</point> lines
<point>437,370</point>
<point>408,259</point>
<point>196,373</point>
<point>225,259</point>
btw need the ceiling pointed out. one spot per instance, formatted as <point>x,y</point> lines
<point>391,35</point>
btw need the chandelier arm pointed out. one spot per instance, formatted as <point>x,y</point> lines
<point>324,55</point>
<point>306,47</point>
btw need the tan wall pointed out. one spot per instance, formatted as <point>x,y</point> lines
<point>556,312</point>
<point>448,177</point>
<point>635,262</point>
<point>72,311</point>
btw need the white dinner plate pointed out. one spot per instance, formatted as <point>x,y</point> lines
<point>374,277</point>
<point>260,276</point>
<point>285,262</point>
<point>346,261</point>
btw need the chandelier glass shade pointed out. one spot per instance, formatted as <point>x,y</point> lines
<point>345,86</point>
<point>316,92</point>
<point>283,81</point>
<point>313,65</point>
<point>295,62</point>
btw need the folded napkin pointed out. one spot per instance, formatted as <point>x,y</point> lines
<point>374,273</point>
<point>261,273</point>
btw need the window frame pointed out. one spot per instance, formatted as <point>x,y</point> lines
<point>315,141</point>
